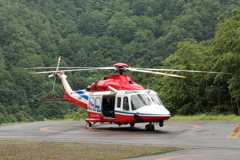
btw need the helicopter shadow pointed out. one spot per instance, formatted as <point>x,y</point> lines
<point>126,130</point>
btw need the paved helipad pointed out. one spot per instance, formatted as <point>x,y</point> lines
<point>208,140</point>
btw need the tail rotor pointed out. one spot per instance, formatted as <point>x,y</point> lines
<point>55,74</point>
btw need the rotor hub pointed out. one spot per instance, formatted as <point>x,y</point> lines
<point>121,67</point>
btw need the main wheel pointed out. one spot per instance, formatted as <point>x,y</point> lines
<point>89,125</point>
<point>132,125</point>
<point>147,127</point>
<point>151,127</point>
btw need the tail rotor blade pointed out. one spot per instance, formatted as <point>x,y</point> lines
<point>54,81</point>
<point>58,64</point>
<point>55,74</point>
<point>51,75</point>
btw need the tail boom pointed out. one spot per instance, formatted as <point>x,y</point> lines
<point>77,101</point>
<point>79,98</point>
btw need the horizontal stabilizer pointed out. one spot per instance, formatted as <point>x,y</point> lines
<point>53,99</point>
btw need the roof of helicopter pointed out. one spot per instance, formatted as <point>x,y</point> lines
<point>118,82</point>
<point>121,92</point>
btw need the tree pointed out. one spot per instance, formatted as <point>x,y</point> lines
<point>93,23</point>
<point>226,49</point>
<point>126,31</point>
<point>101,33</point>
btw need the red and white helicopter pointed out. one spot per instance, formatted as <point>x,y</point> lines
<point>115,98</point>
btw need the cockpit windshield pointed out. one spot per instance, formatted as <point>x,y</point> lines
<point>156,99</point>
<point>139,100</point>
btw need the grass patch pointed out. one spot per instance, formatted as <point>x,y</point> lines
<point>75,150</point>
<point>7,124</point>
<point>204,117</point>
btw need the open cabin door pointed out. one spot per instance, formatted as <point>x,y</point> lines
<point>108,105</point>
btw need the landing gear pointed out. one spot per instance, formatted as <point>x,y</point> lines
<point>89,125</point>
<point>161,123</point>
<point>132,125</point>
<point>149,127</point>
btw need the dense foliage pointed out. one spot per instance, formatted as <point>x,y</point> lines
<point>101,33</point>
<point>209,93</point>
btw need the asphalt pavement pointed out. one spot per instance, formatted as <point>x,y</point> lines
<point>213,140</point>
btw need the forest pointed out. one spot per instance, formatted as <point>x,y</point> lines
<point>176,34</point>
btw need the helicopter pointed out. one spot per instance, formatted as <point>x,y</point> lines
<point>115,99</point>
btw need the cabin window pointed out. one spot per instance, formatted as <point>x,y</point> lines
<point>91,103</point>
<point>119,102</point>
<point>125,103</point>
<point>97,102</point>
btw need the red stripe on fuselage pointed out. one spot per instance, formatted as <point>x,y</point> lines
<point>155,118</point>
<point>130,118</point>
<point>120,118</point>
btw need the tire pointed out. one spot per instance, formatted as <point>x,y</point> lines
<point>89,125</point>
<point>161,123</point>
<point>152,127</point>
<point>147,127</point>
<point>132,125</point>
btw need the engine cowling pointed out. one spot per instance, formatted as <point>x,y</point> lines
<point>119,82</point>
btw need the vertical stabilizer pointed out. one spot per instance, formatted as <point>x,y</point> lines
<point>65,83</point>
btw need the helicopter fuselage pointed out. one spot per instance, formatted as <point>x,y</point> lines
<point>116,99</point>
<point>125,106</point>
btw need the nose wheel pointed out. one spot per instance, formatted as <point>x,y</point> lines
<point>149,127</point>
<point>161,123</point>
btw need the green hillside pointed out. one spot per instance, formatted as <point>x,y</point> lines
<point>143,33</point>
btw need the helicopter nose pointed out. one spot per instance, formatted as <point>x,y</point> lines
<point>151,114</point>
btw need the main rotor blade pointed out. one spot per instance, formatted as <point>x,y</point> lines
<point>151,69</point>
<point>110,68</point>
<point>165,74</point>
<point>59,71</point>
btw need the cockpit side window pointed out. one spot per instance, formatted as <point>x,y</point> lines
<point>156,99</point>
<point>125,103</point>
<point>139,100</point>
